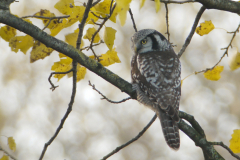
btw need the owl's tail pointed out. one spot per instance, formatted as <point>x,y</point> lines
<point>170,130</point>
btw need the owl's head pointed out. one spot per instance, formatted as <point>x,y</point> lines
<point>148,40</point>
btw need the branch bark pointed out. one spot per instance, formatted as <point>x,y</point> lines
<point>225,5</point>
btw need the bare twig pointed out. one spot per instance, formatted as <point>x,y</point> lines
<point>226,51</point>
<point>8,154</point>
<point>95,3</point>
<point>50,19</point>
<point>104,97</point>
<point>74,70</point>
<point>132,140</point>
<point>167,22</point>
<point>100,27</point>
<point>43,17</point>
<point>134,25</point>
<point>187,41</point>
<point>226,147</point>
<point>92,45</point>
<point>81,25</point>
<point>49,78</point>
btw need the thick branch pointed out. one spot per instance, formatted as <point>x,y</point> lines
<point>225,5</point>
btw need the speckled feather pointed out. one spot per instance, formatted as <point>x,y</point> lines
<point>156,78</point>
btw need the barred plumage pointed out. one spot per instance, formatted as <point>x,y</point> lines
<point>156,72</point>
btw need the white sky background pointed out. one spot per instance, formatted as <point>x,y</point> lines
<point>31,112</point>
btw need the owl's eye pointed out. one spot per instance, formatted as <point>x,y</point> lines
<point>144,41</point>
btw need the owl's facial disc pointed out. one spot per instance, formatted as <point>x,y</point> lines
<point>144,45</point>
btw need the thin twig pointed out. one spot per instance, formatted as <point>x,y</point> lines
<point>225,53</point>
<point>100,26</point>
<point>49,78</point>
<point>167,22</point>
<point>74,70</point>
<point>95,3</point>
<point>101,41</point>
<point>187,41</point>
<point>95,55</point>
<point>131,14</point>
<point>104,97</point>
<point>97,16</point>
<point>132,140</point>
<point>226,147</point>
<point>81,25</point>
<point>43,17</point>
<point>50,18</point>
<point>8,154</point>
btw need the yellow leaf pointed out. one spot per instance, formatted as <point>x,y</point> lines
<point>81,72</point>
<point>12,144</point>
<point>7,32</point>
<point>110,57</point>
<point>123,16</point>
<point>91,17</point>
<point>27,20</point>
<point>47,13</point>
<point>21,42</point>
<point>39,51</point>
<point>71,38</point>
<point>109,37</point>
<point>59,26</point>
<point>235,141</point>
<point>89,35</point>
<point>65,65</point>
<point>4,157</point>
<point>114,15</point>
<point>77,13</point>
<point>235,61</point>
<point>62,55</point>
<point>123,7</point>
<point>205,28</point>
<point>214,74</point>
<point>62,66</point>
<point>64,6</point>
<point>142,3</point>
<point>103,9</point>
<point>157,5</point>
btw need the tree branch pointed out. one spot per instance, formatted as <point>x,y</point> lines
<point>226,147</point>
<point>74,70</point>
<point>224,54</point>
<point>8,154</point>
<point>104,97</point>
<point>132,140</point>
<point>225,5</point>
<point>134,25</point>
<point>187,41</point>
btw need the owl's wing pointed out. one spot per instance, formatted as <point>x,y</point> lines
<point>162,84</point>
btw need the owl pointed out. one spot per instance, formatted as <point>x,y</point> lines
<point>155,72</point>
